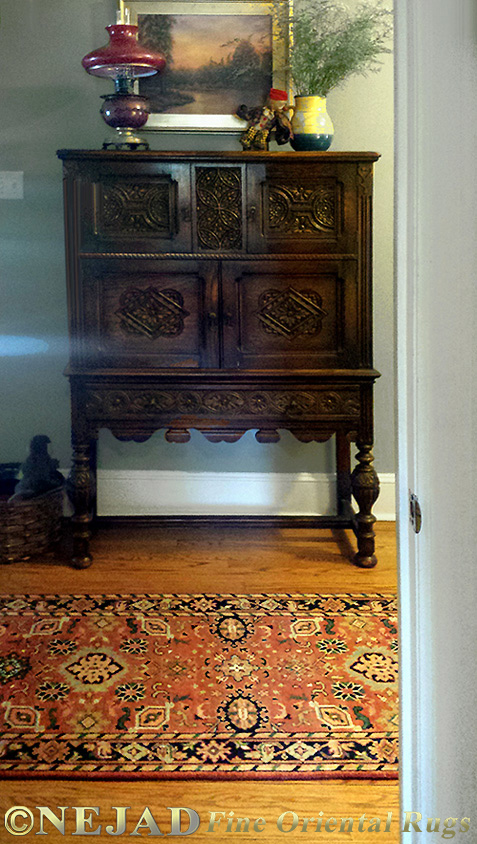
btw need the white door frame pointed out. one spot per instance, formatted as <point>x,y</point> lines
<point>436,310</point>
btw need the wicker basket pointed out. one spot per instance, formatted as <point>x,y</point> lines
<point>29,526</point>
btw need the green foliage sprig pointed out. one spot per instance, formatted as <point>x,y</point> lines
<point>328,42</point>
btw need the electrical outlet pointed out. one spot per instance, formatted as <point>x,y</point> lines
<point>11,184</point>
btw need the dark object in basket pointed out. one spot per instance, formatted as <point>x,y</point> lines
<point>39,471</point>
<point>30,518</point>
<point>8,477</point>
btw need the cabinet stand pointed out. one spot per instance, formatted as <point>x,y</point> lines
<point>224,292</point>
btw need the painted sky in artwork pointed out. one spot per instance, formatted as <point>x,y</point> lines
<point>199,38</point>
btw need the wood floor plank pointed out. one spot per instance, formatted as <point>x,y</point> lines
<point>220,560</point>
<point>253,800</point>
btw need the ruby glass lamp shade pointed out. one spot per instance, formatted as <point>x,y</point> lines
<point>123,60</point>
<point>123,51</point>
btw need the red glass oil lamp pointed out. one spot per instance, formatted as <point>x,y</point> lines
<point>124,60</point>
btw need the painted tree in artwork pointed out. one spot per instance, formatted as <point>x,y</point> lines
<point>244,66</point>
<point>155,31</point>
<point>249,64</point>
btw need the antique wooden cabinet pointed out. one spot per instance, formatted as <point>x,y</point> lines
<point>223,292</point>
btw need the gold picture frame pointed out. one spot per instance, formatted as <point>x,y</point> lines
<point>195,96</point>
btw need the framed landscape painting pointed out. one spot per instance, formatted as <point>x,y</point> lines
<point>218,56</point>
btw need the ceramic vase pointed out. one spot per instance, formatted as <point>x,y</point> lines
<point>311,124</point>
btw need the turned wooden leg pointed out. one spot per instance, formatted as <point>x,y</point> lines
<point>80,487</point>
<point>365,487</point>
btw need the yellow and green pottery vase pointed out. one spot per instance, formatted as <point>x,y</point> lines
<point>311,124</point>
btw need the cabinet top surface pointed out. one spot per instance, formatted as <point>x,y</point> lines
<point>153,155</point>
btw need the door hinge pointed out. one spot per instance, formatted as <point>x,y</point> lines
<point>415,513</point>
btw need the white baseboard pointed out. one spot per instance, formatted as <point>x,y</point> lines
<point>158,493</point>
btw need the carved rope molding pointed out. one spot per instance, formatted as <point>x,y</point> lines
<point>289,404</point>
<point>222,256</point>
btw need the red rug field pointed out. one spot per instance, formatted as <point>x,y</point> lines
<point>216,686</point>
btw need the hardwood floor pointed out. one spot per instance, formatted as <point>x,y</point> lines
<point>192,559</point>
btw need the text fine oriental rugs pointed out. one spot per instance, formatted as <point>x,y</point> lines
<point>217,686</point>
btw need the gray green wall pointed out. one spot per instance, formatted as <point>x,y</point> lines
<point>48,102</point>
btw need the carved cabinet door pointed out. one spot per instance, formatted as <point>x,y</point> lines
<point>290,314</point>
<point>295,208</point>
<point>142,314</point>
<point>218,199</point>
<point>143,208</point>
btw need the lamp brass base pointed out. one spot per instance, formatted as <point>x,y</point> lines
<point>125,138</point>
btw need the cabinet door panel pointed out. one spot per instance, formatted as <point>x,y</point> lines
<point>290,314</point>
<point>143,210</point>
<point>297,208</point>
<point>149,314</point>
<point>218,208</point>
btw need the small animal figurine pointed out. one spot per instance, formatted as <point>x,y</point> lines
<point>39,471</point>
<point>263,120</point>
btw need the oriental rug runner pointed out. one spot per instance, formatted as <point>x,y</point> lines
<point>216,686</point>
